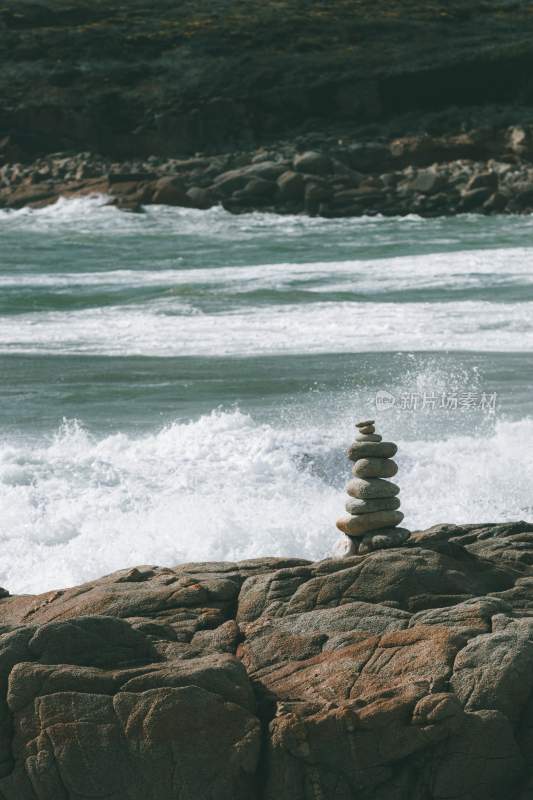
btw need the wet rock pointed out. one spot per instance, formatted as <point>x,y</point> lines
<point>199,197</point>
<point>522,199</point>
<point>483,180</point>
<point>427,175</point>
<point>291,186</point>
<point>496,203</point>
<point>425,150</point>
<point>259,188</point>
<point>315,194</point>
<point>365,157</point>
<point>132,178</point>
<point>428,181</point>
<point>129,204</point>
<point>471,200</point>
<point>170,192</point>
<point>313,163</point>
<point>236,179</point>
<point>33,196</point>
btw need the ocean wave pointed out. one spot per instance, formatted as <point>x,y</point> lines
<point>471,269</point>
<point>169,327</point>
<point>76,506</point>
<point>301,235</point>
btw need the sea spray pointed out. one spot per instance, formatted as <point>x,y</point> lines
<point>225,487</point>
<point>140,325</point>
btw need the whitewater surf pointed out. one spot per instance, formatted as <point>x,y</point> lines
<point>180,385</point>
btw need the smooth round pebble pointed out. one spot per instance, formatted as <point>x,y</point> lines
<point>365,423</point>
<point>372,450</point>
<point>375,468</point>
<point>368,437</point>
<point>358,526</point>
<point>373,504</point>
<point>373,487</point>
<point>367,429</point>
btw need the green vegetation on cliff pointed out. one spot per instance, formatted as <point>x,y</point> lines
<point>170,77</point>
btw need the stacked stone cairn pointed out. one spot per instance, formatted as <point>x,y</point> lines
<point>374,503</point>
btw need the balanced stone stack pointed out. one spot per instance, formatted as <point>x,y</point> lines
<point>374,503</point>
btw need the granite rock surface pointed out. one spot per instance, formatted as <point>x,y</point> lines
<point>400,674</point>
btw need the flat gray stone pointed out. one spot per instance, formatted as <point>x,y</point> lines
<point>365,423</point>
<point>363,523</point>
<point>382,539</point>
<point>368,437</point>
<point>372,450</point>
<point>375,468</point>
<point>371,487</point>
<point>355,506</point>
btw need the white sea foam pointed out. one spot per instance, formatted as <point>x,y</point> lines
<point>208,284</point>
<point>321,327</point>
<point>94,215</point>
<point>226,487</point>
<point>473,269</point>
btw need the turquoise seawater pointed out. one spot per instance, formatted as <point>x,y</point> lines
<point>180,385</point>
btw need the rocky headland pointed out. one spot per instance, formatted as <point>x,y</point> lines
<point>294,106</point>
<point>398,674</point>
<point>481,171</point>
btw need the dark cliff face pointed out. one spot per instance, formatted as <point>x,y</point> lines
<point>403,674</point>
<point>212,75</point>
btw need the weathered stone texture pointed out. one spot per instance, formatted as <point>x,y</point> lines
<point>403,674</point>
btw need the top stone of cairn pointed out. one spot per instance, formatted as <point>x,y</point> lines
<point>367,426</point>
<point>373,515</point>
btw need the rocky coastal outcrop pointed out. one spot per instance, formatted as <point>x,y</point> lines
<point>401,674</point>
<point>483,171</point>
<point>363,106</point>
